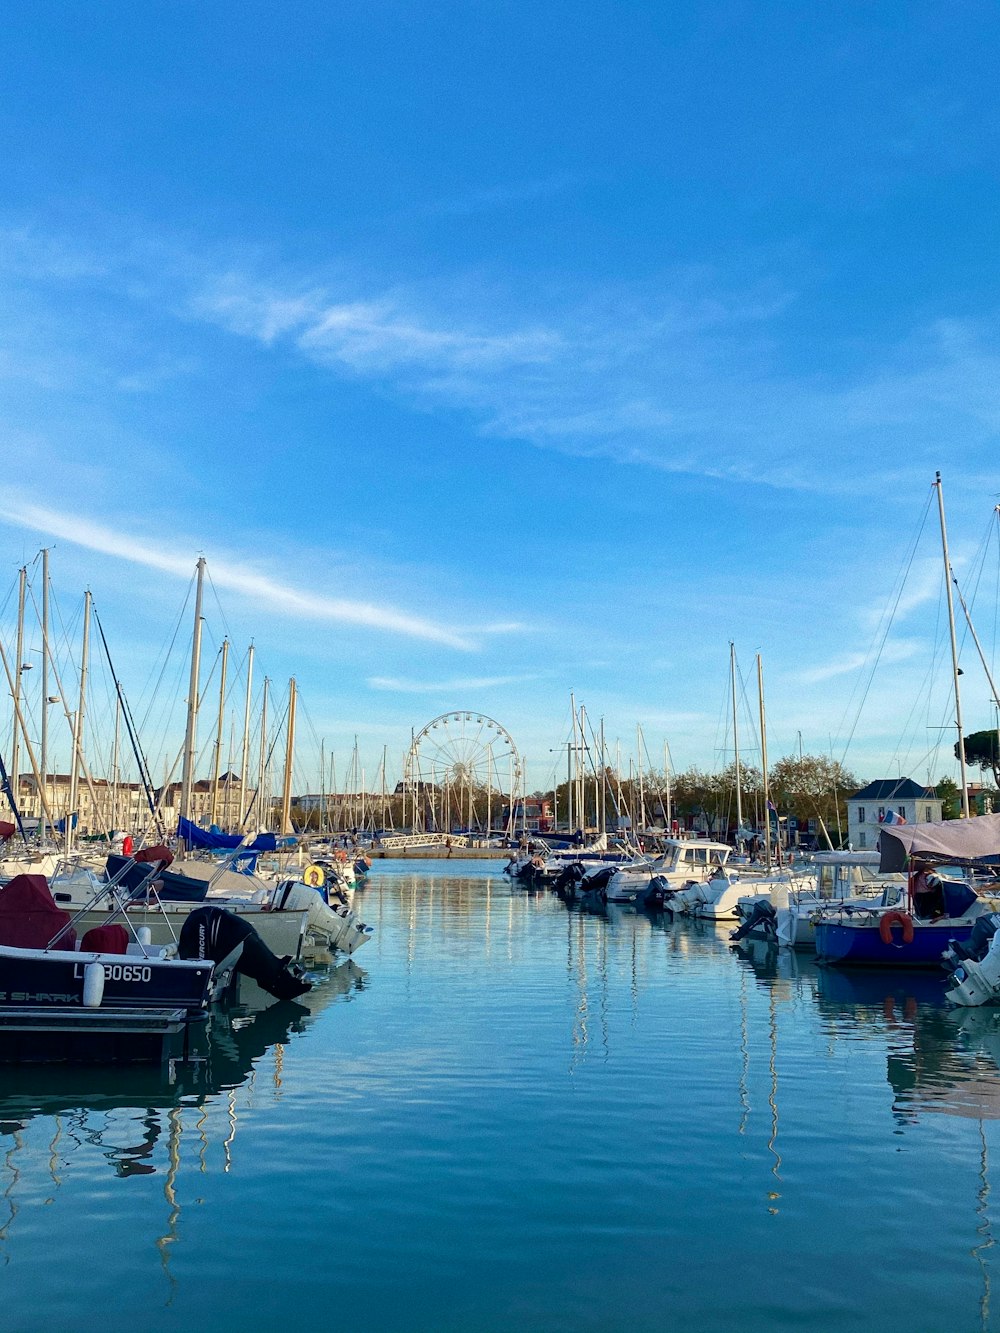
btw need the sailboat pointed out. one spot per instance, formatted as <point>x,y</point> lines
<point>917,931</point>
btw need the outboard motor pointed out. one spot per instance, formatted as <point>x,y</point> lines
<point>762,923</point>
<point>975,965</point>
<point>570,878</point>
<point>659,892</point>
<point>975,947</point>
<point>231,942</point>
<point>597,882</point>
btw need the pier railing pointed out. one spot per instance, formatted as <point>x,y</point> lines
<point>398,840</point>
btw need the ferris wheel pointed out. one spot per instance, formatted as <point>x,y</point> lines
<point>464,771</point>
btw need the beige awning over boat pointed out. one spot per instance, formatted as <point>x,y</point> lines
<point>976,839</point>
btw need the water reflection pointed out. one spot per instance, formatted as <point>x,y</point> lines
<point>939,1058</point>
<point>135,1118</point>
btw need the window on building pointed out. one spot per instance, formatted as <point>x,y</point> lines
<point>861,838</point>
<point>927,814</point>
<point>861,814</point>
<point>901,810</point>
<point>881,813</point>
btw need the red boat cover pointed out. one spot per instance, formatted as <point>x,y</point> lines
<point>6,830</point>
<point>105,939</point>
<point>28,916</point>
<point>158,853</point>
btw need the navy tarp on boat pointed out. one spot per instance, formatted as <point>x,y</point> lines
<point>199,837</point>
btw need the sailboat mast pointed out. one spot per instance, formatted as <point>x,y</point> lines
<point>44,746</point>
<point>113,820</point>
<point>245,762</point>
<point>736,741</point>
<point>954,649</point>
<point>286,795</point>
<point>74,772</point>
<point>666,776</point>
<point>263,810</point>
<point>15,745</point>
<point>191,731</point>
<point>220,723</point>
<point>763,764</point>
<point>604,783</point>
<point>638,764</point>
<point>321,822</point>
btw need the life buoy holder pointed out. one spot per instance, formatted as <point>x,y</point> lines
<point>890,919</point>
<point>340,854</point>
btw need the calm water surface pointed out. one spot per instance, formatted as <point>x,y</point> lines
<point>509,1115</point>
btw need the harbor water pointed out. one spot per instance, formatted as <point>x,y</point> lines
<point>508,1114</point>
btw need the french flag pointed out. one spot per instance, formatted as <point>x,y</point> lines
<point>891,817</point>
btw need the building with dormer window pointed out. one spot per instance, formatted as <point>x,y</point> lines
<point>892,799</point>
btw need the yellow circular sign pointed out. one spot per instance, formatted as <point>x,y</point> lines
<point>314,876</point>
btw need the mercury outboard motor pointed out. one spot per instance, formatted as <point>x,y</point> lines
<point>762,923</point>
<point>231,942</point>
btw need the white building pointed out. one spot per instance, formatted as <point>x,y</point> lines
<point>903,798</point>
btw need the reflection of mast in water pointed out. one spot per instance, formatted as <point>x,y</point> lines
<point>203,1139</point>
<point>165,1241</point>
<point>54,1155</point>
<point>579,975</point>
<point>577,967</point>
<point>227,1143</point>
<point>984,1230</point>
<point>744,1055</point>
<point>8,1194</point>
<point>772,1099</point>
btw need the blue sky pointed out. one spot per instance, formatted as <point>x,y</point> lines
<point>493,351</point>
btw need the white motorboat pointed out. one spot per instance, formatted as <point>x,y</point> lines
<point>670,880</point>
<point>833,879</point>
<point>306,921</point>
<point>107,996</point>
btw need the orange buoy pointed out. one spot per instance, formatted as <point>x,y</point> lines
<point>890,919</point>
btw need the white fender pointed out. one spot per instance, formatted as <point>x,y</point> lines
<point>93,985</point>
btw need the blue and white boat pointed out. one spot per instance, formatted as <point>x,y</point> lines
<point>877,936</point>
<point>918,930</point>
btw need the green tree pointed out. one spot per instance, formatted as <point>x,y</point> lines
<point>949,794</point>
<point>982,748</point>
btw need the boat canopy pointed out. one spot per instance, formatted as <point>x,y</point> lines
<point>213,839</point>
<point>976,839</point>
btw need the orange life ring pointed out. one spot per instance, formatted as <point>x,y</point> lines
<point>340,854</point>
<point>890,919</point>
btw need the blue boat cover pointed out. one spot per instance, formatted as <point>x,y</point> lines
<point>214,840</point>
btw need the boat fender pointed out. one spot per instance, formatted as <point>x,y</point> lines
<point>93,985</point>
<point>890,919</point>
<point>144,936</point>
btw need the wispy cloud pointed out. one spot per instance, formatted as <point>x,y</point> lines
<point>696,372</point>
<point>267,592</point>
<point>502,196</point>
<point>683,378</point>
<point>397,685</point>
<point>894,651</point>
<point>367,337</point>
